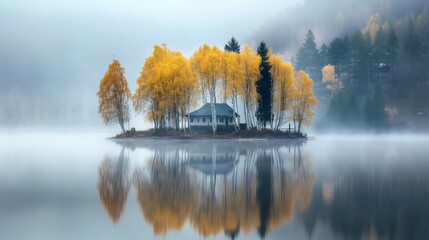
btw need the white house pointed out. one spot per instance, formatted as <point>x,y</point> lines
<point>201,119</point>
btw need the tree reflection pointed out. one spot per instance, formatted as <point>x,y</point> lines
<point>377,204</point>
<point>113,184</point>
<point>165,190</point>
<point>223,187</point>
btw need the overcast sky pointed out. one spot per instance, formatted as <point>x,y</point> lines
<point>54,53</point>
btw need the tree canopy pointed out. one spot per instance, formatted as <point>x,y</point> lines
<point>169,85</point>
<point>114,95</point>
<point>166,88</point>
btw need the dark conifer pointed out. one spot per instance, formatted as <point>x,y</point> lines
<point>264,88</point>
<point>232,46</point>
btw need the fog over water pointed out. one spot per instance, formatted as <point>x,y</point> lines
<point>62,177</point>
<point>64,185</point>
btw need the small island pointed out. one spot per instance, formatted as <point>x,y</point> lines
<point>243,134</point>
<point>170,88</point>
<point>200,127</point>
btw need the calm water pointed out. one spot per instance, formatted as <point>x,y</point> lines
<point>57,185</point>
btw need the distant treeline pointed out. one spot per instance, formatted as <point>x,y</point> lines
<point>382,68</point>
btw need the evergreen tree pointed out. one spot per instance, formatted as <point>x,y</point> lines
<point>378,53</point>
<point>368,63</point>
<point>264,88</point>
<point>339,55</point>
<point>324,55</point>
<point>232,46</point>
<point>392,48</point>
<point>412,42</point>
<point>308,58</point>
<point>359,60</point>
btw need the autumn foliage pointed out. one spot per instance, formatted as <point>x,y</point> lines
<point>304,100</point>
<point>169,85</point>
<point>171,192</point>
<point>114,96</point>
<point>166,88</point>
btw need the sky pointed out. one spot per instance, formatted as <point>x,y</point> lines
<point>54,53</point>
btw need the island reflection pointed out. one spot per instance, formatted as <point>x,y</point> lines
<point>229,187</point>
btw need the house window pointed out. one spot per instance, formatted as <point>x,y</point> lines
<point>192,119</point>
<point>210,119</point>
<point>204,119</point>
<point>230,120</point>
<point>221,119</point>
<point>198,119</point>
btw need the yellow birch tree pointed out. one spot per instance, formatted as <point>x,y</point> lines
<point>283,88</point>
<point>304,101</point>
<point>333,83</point>
<point>249,61</point>
<point>233,76</point>
<point>207,64</point>
<point>114,95</point>
<point>166,87</point>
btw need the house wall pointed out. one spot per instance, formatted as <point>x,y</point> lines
<point>205,121</point>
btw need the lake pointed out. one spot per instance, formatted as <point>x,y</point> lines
<point>80,185</point>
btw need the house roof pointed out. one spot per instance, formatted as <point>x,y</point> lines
<point>222,110</point>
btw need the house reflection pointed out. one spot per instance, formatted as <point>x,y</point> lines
<point>113,184</point>
<point>223,187</point>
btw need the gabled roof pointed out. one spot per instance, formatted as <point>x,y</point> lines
<point>222,110</point>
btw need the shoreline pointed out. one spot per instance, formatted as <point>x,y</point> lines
<point>180,135</point>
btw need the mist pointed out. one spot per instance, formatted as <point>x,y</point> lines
<point>329,19</point>
<point>53,55</point>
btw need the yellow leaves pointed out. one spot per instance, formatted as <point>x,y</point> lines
<point>331,80</point>
<point>328,73</point>
<point>113,187</point>
<point>232,73</point>
<point>166,84</point>
<point>284,89</point>
<point>170,194</point>
<point>114,95</point>
<point>207,61</point>
<point>283,84</point>
<point>304,99</point>
<point>250,62</point>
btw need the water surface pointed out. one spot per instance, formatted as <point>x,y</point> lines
<point>80,185</point>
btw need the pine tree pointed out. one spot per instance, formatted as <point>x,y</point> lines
<point>392,49</point>
<point>339,55</point>
<point>264,88</point>
<point>232,46</point>
<point>308,57</point>
<point>324,55</point>
<point>359,54</point>
<point>412,42</point>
